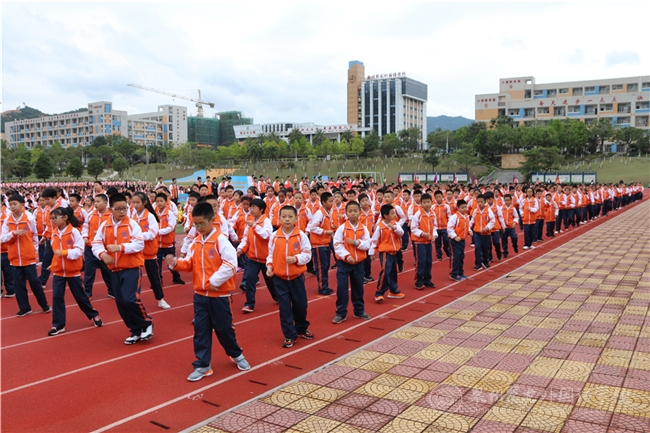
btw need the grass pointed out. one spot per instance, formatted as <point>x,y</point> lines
<point>613,170</point>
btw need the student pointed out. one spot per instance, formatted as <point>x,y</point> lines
<point>400,217</point>
<point>529,209</point>
<point>443,213</point>
<point>510,219</point>
<point>424,229</point>
<point>19,236</point>
<point>367,218</point>
<point>387,240</point>
<point>499,224</point>
<point>95,218</point>
<point>148,221</point>
<point>255,244</point>
<point>482,222</point>
<point>458,228</point>
<point>68,248</point>
<point>351,243</point>
<point>7,269</point>
<point>166,235</point>
<point>119,243</point>
<point>289,253</point>
<point>551,212</point>
<point>213,263</point>
<point>51,202</point>
<point>321,230</point>
<point>539,222</point>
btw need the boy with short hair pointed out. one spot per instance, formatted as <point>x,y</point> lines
<point>213,262</point>
<point>289,253</point>
<point>424,230</point>
<point>400,216</point>
<point>351,243</point>
<point>20,238</point>
<point>95,218</point>
<point>367,218</point>
<point>119,243</point>
<point>551,212</point>
<point>458,228</point>
<point>482,222</point>
<point>387,240</point>
<point>443,213</point>
<point>510,219</point>
<point>321,230</point>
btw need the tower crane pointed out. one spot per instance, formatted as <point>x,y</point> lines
<point>199,102</point>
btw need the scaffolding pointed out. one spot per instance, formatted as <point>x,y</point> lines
<point>203,130</point>
<point>227,120</point>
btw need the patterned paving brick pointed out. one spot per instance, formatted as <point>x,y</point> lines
<point>560,345</point>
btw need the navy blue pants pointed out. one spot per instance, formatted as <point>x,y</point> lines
<point>529,234</point>
<point>321,266</point>
<point>569,218</point>
<point>521,221</point>
<point>539,230</point>
<point>58,299</point>
<point>41,249</point>
<point>213,314</point>
<point>48,254</point>
<point>354,274</point>
<point>482,245</point>
<point>442,243</point>
<point>496,242</point>
<point>292,301</point>
<point>91,263</point>
<point>22,274</point>
<point>405,236</point>
<point>560,218</point>
<point>512,234</point>
<point>162,253</point>
<point>458,256</point>
<point>388,275</point>
<point>424,260</point>
<point>127,298</point>
<point>151,267</point>
<point>7,274</point>
<point>550,229</point>
<point>253,269</point>
<point>367,268</point>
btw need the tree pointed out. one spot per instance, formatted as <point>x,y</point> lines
<point>348,136</point>
<point>319,137</point>
<point>96,167</point>
<point>120,165</point>
<point>539,136</point>
<point>75,168</point>
<point>502,120</point>
<point>371,142</point>
<point>389,144</point>
<point>22,168</point>
<point>540,159</point>
<point>295,136</point>
<point>465,156</point>
<point>346,149</point>
<point>57,156</point>
<point>634,138</point>
<point>44,167</point>
<point>410,138</point>
<point>440,137</point>
<point>357,146</point>
<point>599,131</point>
<point>576,137</point>
<point>432,158</point>
<point>99,141</point>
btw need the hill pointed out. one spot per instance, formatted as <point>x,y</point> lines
<point>447,122</point>
<point>28,113</point>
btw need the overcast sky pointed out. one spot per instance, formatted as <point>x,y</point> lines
<point>289,62</point>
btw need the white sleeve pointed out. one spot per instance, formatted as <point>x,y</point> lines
<point>152,233</point>
<point>228,267</point>
<point>6,234</point>
<point>314,225</point>
<point>31,222</point>
<point>84,229</point>
<point>415,225</point>
<point>244,239</point>
<point>98,242</point>
<point>185,248</point>
<point>265,230</point>
<point>490,224</point>
<point>402,217</point>
<point>339,243</point>
<point>500,216</point>
<point>364,242</point>
<point>305,250</point>
<point>398,229</point>
<point>269,258</point>
<point>375,240</point>
<point>171,224</point>
<point>78,249</point>
<point>451,225</point>
<point>536,208</point>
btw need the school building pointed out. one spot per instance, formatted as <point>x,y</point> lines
<point>623,100</point>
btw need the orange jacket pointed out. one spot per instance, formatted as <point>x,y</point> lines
<point>22,249</point>
<point>360,234</point>
<point>92,224</point>
<point>149,227</point>
<point>482,219</point>
<point>387,240</point>
<point>255,242</point>
<point>509,215</point>
<point>320,222</point>
<point>338,216</point>
<point>367,219</point>
<point>166,226</point>
<point>421,223</point>
<point>529,210</point>
<point>443,213</point>
<point>458,226</point>
<point>281,246</point>
<point>72,244</point>
<point>39,216</point>
<point>128,235</point>
<point>212,261</point>
<point>3,217</point>
<point>304,216</point>
<point>550,211</point>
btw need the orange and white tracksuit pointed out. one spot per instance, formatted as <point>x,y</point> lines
<point>128,235</point>
<point>358,233</point>
<point>255,243</point>
<point>421,223</point>
<point>282,245</point>
<point>68,240</point>
<point>320,222</point>
<point>22,250</point>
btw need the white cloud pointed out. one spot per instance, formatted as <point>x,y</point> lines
<point>288,61</point>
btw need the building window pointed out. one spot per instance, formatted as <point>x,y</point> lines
<point>564,91</point>
<point>558,111</point>
<point>539,92</point>
<point>623,121</point>
<point>590,89</point>
<point>577,91</point>
<point>606,107</point>
<point>646,85</point>
<point>574,108</point>
<point>529,112</point>
<point>551,93</point>
<point>543,110</point>
<point>632,87</point>
<point>617,87</point>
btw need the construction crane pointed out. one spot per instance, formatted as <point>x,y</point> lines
<point>199,102</point>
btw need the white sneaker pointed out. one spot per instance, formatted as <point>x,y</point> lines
<point>147,333</point>
<point>241,362</point>
<point>163,304</point>
<point>526,247</point>
<point>532,247</point>
<point>556,231</point>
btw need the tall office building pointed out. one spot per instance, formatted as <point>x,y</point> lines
<point>623,100</point>
<point>387,102</point>
<point>356,75</point>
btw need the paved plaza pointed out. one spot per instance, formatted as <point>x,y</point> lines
<point>559,345</point>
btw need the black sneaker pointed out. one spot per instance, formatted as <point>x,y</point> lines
<point>97,321</point>
<point>325,292</point>
<point>335,266</point>
<point>516,250</point>
<point>23,313</point>
<point>9,295</point>
<point>55,331</point>
<point>179,281</point>
<point>400,268</point>
<point>505,255</point>
<point>47,309</point>
<point>477,268</point>
<point>338,319</point>
<point>242,286</point>
<point>486,266</point>
<point>307,335</point>
<point>364,316</point>
<point>112,296</point>
<point>419,286</point>
<point>288,342</point>
<point>313,272</point>
<point>499,257</point>
<point>429,284</point>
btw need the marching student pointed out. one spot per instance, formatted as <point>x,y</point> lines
<point>95,218</point>
<point>39,216</point>
<point>321,230</point>
<point>367,218</point>
<point>443,213</point>
<point>20,238</point>
<point>482,222</point>
<point>387,240</point>
<point>148,221</point>
<point>68,248</point>
<point>7,269</point>
<point>213,263</point>
<point>389,197</point>
<point>166,234</point>
<point>539,222</point>
<point>424,229</point>
<point>499,224</point>
<point>510,219</point>
<point>118,243</point>
<point>255,244</point>
<point>551,212</point>
<point>458,228</point>
<point>289,253</point>
<point>351,243</point>
<point>529,210</point>
<point>51,202</point>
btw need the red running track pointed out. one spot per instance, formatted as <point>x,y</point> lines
<point>87,380</point>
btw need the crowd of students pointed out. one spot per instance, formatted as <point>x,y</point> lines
<point>281,230</point>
